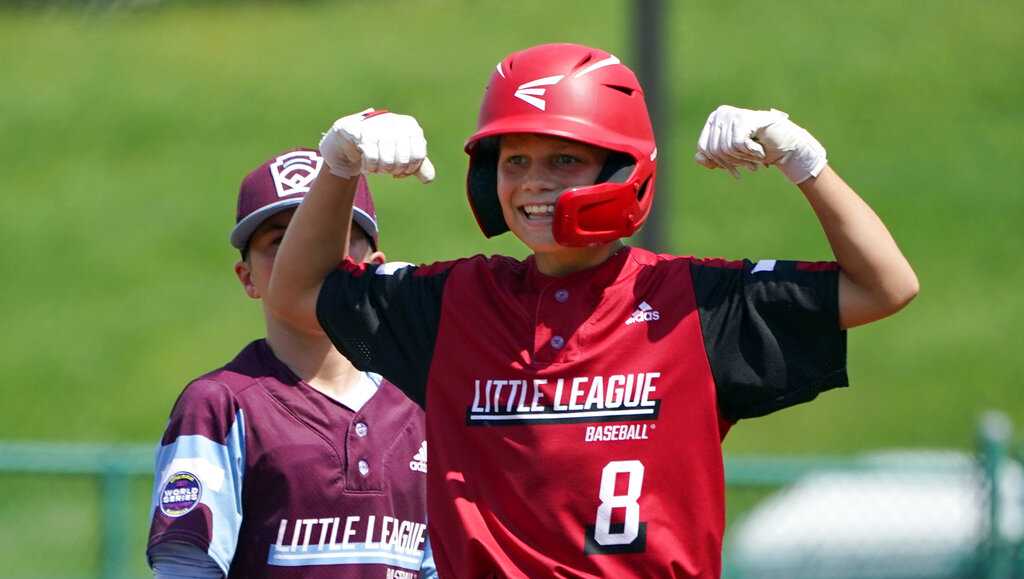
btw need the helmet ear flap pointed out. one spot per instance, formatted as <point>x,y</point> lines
<point>482,187</point>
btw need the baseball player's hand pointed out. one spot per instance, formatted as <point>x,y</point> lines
<point>377,142</point>
<point>734,137</point>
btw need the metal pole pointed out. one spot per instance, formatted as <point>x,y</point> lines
<point>114,537</point>
<point>995,432</point>
<point>648,24</point>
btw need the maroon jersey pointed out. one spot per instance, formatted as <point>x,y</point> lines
<point>272,478</point>
<point>575,423</point>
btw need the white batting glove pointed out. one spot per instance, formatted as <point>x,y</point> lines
<point>377,142</point>
<point>734,137</point>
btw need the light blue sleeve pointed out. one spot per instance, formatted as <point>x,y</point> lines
<point>195,473</point>
<point>427,568</point>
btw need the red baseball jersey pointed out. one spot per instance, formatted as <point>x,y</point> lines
<point>575,423</point>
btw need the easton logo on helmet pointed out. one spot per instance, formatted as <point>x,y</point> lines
<point>529,92</point>
<point>294,172</point>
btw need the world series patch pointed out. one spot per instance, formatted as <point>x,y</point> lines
<point>181,494</point>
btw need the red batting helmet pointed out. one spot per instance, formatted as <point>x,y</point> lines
<point>579,93</point>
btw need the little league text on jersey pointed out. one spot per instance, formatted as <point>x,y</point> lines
<point>561,400</point>
<point>363,533</point>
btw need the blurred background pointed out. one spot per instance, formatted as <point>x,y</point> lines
<point>126,127</point>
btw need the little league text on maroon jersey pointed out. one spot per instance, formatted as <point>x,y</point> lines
<point>558,401</point>
<point>331,534</point>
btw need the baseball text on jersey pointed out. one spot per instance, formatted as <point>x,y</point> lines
<point>614,432</point>
<point>349,540</point>
<point>612,398</point>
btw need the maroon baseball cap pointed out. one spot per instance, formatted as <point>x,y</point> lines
<point>280,184</point>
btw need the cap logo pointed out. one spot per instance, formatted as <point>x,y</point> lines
<point>293,172</point>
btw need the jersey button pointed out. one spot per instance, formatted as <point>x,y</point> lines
<point>562,296</point>
<point>364,467</point>
<point>557,342</point>
<point>361,429</point>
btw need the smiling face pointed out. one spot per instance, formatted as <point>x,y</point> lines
<point>533,171</point>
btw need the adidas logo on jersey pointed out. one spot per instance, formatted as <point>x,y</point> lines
<point>419,462</point>
<point>644,313</point>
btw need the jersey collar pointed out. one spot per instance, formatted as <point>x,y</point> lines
<point>620,265</point>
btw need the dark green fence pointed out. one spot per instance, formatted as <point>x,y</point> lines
<point>118,466</point>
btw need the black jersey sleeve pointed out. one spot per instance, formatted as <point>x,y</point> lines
<point>385,318</point>
<point>771,332</point>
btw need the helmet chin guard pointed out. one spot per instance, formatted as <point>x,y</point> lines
<point>599,213</point>
<point>578,93</point>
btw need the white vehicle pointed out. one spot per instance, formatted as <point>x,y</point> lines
<point>897,515</point>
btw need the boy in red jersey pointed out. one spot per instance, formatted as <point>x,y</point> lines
<point>577,399</point>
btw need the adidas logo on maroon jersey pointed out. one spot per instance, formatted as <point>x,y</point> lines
<point>644,313</point>
<point>419,462</point>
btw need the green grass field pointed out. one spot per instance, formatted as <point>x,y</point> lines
<point>125,135</point>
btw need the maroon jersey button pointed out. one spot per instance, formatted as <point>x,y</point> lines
<point>562,296</point>
<point>361,429</point>
<point>557,342</point>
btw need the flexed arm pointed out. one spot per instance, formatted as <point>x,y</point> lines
<point>876,279</point>
<point>317,237</point>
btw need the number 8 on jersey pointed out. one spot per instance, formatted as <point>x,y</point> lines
<point>629,536</point>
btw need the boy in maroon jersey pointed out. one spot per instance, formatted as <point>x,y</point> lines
<point>289,462</point>
<point>577,399</point>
